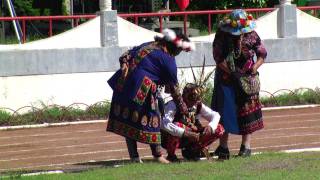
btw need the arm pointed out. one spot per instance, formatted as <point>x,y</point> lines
<point>171,80</point>
<point>212,116</point>
<point>220,51</point>
<point>256,66</point>
<point>166,123</point>
<point>260,51</point>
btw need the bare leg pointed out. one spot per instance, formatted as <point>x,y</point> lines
<point>246,140</point>
<point>245,150</point>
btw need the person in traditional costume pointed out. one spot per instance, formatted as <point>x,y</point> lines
<point>236,84</point>
<point>134,110</point>
<point>187,132</point>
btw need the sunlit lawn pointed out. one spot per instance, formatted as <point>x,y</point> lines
<point>264,166</point>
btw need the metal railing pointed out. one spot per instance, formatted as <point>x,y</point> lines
<point>135,17</point>
<point>50,19</point>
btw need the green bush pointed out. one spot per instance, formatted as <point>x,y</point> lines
<point>4,117</point>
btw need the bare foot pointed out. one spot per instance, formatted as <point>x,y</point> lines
<point>162,160</point>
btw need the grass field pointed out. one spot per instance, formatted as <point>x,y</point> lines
<point>264,166</point>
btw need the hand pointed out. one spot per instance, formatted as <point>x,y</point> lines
<point>207,130</point>
<point>194,128</point>
<point>191,136</point>
<point>125,69</point>
<point>183,108</point>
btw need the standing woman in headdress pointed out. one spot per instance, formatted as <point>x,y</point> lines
<point>237,85</point>
<point>134,110</point>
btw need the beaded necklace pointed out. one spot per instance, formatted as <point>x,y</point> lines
<point>237,53</point>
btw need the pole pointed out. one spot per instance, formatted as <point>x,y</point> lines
<point>105,5</point>
<point>2,28</point>
<point>14,22</point>
<point>71,13</point>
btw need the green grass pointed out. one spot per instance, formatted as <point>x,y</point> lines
<point>55,113</point>
<point>263,166</point>
<point>296,97</point>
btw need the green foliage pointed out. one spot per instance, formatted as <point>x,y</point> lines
<point>4,117</point>
<point>24,8</point>
<point>55,114</point>
<point>208,94</point>
<point>297,97</point>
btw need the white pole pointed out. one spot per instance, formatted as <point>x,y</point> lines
<point>105,5</point>
<point>14,22</point>
<point>287,2</point>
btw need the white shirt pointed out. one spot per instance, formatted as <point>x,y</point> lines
<point>208,114</point>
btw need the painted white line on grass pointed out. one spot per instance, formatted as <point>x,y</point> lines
<point>302,150</point>
<point>35,174</point>
<point>43,173</point>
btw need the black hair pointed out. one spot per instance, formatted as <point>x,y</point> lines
<point>171,46</point>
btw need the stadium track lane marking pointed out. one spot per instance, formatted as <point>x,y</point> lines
<point>53,140</point>
<point>100,130</point>
<point>81,138</point>
<point>105,121</point>
<point>290,128</point>
<point>117,150</point>
<point>71,154</point>
<point>53,134</point>
<point>102,143</point>
<point>291,115</point>
<point>57,147</point>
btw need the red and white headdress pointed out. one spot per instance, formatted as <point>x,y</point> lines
<point>170,35</point>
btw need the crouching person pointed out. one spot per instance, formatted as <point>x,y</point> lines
<point>187,132</point>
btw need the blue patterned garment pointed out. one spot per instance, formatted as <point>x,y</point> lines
<point>133,111</point>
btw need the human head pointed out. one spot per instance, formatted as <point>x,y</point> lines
<point>175,43</point>
<point>191,94</point>
<point>237,23</point>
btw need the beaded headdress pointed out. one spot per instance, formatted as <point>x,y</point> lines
<point>195,91</point>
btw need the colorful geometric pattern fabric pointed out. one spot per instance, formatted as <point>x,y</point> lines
<point>138,126</point>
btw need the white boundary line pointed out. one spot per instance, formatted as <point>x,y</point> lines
<point>104,121</point>
<point>302,150</point>
<point>50,124</point>
<point>290,107</point>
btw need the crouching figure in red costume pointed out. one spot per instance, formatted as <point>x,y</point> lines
<point>187,132</point>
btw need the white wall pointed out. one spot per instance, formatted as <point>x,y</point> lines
<point>65,89</point>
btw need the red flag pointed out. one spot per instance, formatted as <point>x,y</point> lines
<point>183,4</point>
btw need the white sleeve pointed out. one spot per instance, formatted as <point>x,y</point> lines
<point>212,116</point>
<point>166,122</point>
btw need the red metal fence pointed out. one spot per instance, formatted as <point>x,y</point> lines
<point>135,17</point>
